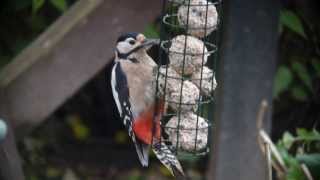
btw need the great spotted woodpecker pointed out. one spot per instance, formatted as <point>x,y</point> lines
<point>133,87</point>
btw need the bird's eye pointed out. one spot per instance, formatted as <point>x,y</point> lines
<point>132,42</point>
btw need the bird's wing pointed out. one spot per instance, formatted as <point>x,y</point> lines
<point>120,93</point>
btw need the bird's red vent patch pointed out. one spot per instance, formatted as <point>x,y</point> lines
<point>143,124</point>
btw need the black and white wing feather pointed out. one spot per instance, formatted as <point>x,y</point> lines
<point>120,91</point>
<point>167,158</point>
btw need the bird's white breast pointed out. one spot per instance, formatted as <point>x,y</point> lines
<point>141,85</point>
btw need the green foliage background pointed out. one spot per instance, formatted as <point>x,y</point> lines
<point>23,20</point>
<point>297,74</point>
<point>296,90</point>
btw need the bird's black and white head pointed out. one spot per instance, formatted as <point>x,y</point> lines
<point>131,43</point>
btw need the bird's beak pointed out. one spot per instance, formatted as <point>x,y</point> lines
<point>148,43</point>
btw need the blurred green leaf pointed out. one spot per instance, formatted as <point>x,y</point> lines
<point>53,172</point>
<point>282,80</point>
<point>4,60</point>
<point>302,73</point>
<point>312,161</point>
<point>302,132</point>
<point>80,130</point>
<point>287,140</point>
<point>135,174</point>
<point>299,93</point>
<point>306,135</point>
<point>121,137</point>
<point>135,177</point>
<point>316,65</point>
<point>316,133</point>
<point>205,109</point>
<point>292,21</point>
<point>38,24</point>
<point>295,172</point>
<point>18,5</point>
<point>36,5</point>
<point>165,171</point>
<point>20,45</point>
<point>151,31</point>
<point>61,5</point>
<point>33,177</point>
<point>287,158</point>
<point>293,161</point>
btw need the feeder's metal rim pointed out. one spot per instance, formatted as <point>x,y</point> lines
<point>188,129</point>
<point>201,152</point>
<point>165,17</point>
<point>186,153</point>
<point>185,2</point>
<point>167,115</point>
<point>210,99</point>
<point>215,49</point>
<point>185,78</point>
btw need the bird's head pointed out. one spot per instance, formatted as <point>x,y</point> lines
<point>130,43</point>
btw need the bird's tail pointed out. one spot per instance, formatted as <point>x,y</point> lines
<point>142,151</point>
<point>167,158</point>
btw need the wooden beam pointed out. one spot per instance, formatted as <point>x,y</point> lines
<point>44,44</point>
<point>246,70</point>
<point>68,55</point>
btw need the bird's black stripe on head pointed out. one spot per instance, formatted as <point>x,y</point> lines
<point>127,35</point>
<point>125,56</point>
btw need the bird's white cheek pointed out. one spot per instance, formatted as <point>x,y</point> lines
<point>123,47</point>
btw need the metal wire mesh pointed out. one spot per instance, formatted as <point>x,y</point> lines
<point>185,124</point>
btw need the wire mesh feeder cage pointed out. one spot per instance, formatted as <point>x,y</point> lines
<point>185,76</point>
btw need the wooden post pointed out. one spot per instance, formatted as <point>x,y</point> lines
<point>246,70</point>
<point>10,163</point>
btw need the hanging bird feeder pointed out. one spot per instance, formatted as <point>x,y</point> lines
<point>186,83</point>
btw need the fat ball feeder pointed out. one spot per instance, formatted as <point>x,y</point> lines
<point>187,82</point>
